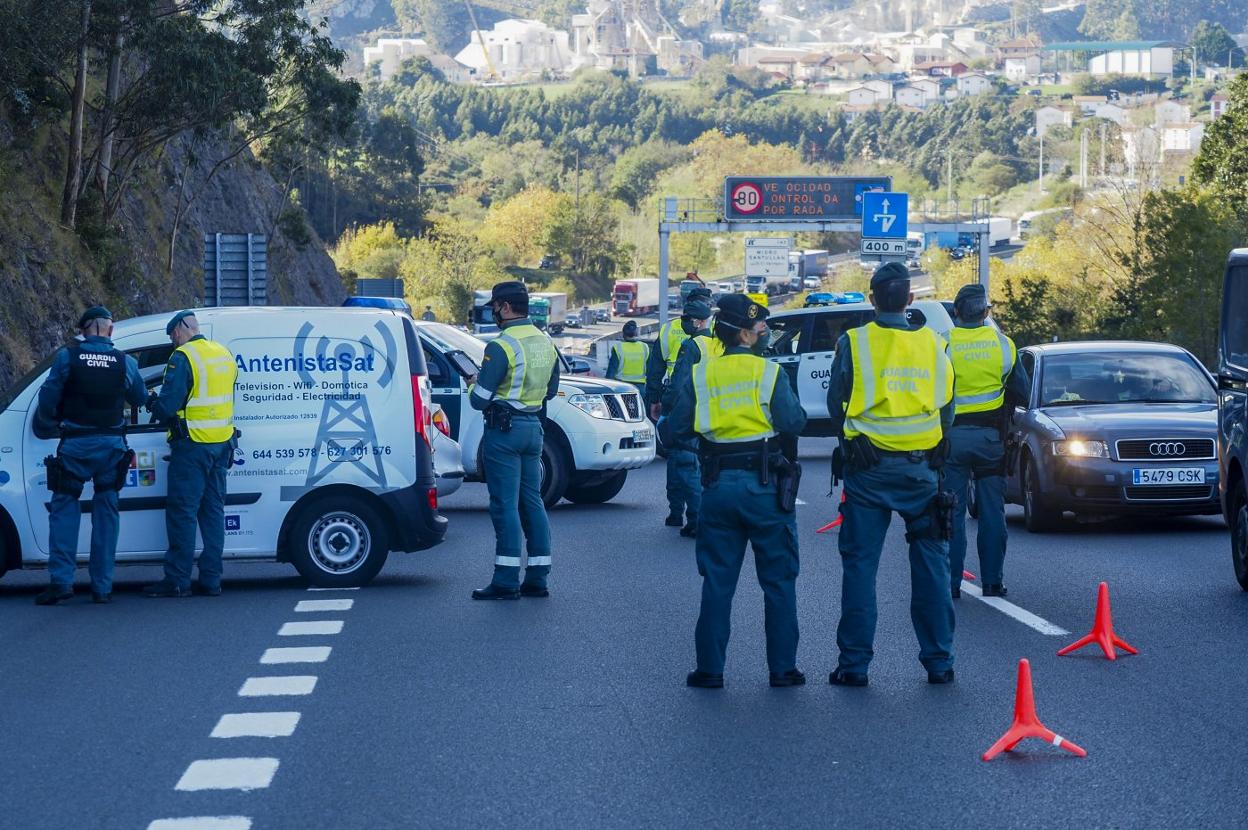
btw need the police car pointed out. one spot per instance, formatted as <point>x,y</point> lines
<point>596,430</point>
<point>333,469</point>
<point>803,341</point>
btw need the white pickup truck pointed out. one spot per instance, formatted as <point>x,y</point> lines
<point>596,431</point>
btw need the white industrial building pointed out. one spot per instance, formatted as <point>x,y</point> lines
<point>518,49</point>
<point>390,52</point>
<point>631,35</point>
<point>1138,58</point>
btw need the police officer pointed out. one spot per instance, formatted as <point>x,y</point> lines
<point>86,393</point>
<point>667,348</point>
<point>740,406</point>
<point>196,402</point>
<point>629,358</point>
<point>889,399</point>
<point>985,368</point>
<point>519,374</point>
<point>684,486</point>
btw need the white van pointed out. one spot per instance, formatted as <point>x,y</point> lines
<point>597,429</point>
<point>334,464</point>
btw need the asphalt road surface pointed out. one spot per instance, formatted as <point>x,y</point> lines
<point>411,706</point>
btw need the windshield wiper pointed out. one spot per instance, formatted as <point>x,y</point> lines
<point>1165,400</point>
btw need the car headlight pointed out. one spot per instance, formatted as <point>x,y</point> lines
<point>592,405</point>
<point>1077,448</point>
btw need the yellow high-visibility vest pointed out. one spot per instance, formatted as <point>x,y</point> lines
<point>982,359</point>
<point>671,335</point>
<point>733,398</point>
<point>708,346</point>
<point>902,379</point>
<point>530,359</point>
<point>631,356</point>
<point>209,411</point>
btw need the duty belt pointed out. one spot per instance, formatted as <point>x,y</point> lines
<point>746,460</point>
<point>913,456</point>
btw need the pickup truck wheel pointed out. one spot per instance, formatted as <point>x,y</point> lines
<point>1037,517</point>
<point>556,471</point>
<point>339,541</point>
<point>600,492</point>
<point>1239,535</point>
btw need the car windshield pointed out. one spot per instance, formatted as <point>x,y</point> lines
<point>1123,377</point>
<point>451,339</point>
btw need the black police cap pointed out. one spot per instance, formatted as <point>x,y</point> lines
<point>95,312</point>
<point>740,311</point>
<point>971,299</point>
<point>505,292</point>
<point>888,272</point>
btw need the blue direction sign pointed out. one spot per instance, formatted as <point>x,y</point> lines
<point>798,198</point>
<point>885,215</point>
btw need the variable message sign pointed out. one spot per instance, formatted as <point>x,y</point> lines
<point>798,198</point>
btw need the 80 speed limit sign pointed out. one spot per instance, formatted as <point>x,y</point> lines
<point>746,197</point>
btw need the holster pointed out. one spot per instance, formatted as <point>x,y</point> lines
<point>178,430</point>
<point>710,466</point>
<point>60,481</point>
<point>788,479</point>
<point>123,469</point>
<point>942,512</point>
<point>861,454</point>
<point>838,467</point>
<point>234,448</point>
<point>939,455</point>
<point>498,416</point>
<point>1013,445</point>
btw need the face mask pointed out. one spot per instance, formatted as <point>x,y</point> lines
<point>690,326</point>
<point>760,345</point>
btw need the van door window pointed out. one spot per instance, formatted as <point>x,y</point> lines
<point>1235,320</point>
<point>786,334</point>
<point>152,362</point>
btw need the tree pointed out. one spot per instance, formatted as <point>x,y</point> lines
<point>1212,43</point>
<point>1222,163</point>
<point>587,234</point>
<point>518,229</point>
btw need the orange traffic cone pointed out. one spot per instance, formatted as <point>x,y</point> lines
<point>1026,724</point>
<point>968,576</point>
<point>835,522</point>
<point>1102,632</point>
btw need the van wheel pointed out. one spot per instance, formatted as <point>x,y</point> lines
<point>1239,535</point>
<point>338,541</point>
<point>600,492</point>
<point>556,471</point>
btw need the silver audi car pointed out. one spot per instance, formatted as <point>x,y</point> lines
<point>1113,427</point>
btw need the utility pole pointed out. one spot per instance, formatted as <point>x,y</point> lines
<point>1040,180</point>
<point>1083,159</point>
<point>1103,125</point>
<point>949,164</point>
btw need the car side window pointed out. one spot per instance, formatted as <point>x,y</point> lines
<point>152,362</point>
<point>438,372</point>
<point>828,329</point>
<point>1235,324</point>
<point>1028,359</point>
<point>786,334</point>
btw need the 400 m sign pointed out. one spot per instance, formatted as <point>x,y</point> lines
<point>798,198</point>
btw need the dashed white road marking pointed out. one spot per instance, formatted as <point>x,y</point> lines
<point>228,774</point>
<point>297,629</point>
<point>202,823</point>
<point>1011,610</point>
<point>271,686</point>
<point>256,725</point>
<point>306,654</point>
<point>356,588</point>
<point>312,605</point>
<point>801,502</point>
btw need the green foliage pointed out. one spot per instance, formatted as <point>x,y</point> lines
<point>1222,163</point>
<point>1213,43</point>
<point>1126,84</point>
<point>587,235</point>
<point>1156,19</point>
<point>637,170</point>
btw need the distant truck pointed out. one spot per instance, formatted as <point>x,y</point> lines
<point>1027,223</point>
<point>632,298</point>
<point>482,320</point>
<point>948,240</point>
<point>687,287</point>
<point>766,285</point>
<point>811,263</point>
<point>549,311</point>
<point>1000,230</point>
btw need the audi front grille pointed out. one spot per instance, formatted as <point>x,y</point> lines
<point>1165,449</point>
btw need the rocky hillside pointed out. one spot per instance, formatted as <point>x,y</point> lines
<point>49,274</point>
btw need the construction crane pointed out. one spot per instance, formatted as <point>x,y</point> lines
<point>492,75</point>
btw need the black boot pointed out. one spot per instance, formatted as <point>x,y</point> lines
<point>703,680</point>
<point>673,520</point>
<point>792,677</point>
<point>165,588</point>
<point>996,589</point>
<point>54,594</point>
<point>940,678</point>
<point>493,591</point>
<point>690,530</point>
<point>840,677</point>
